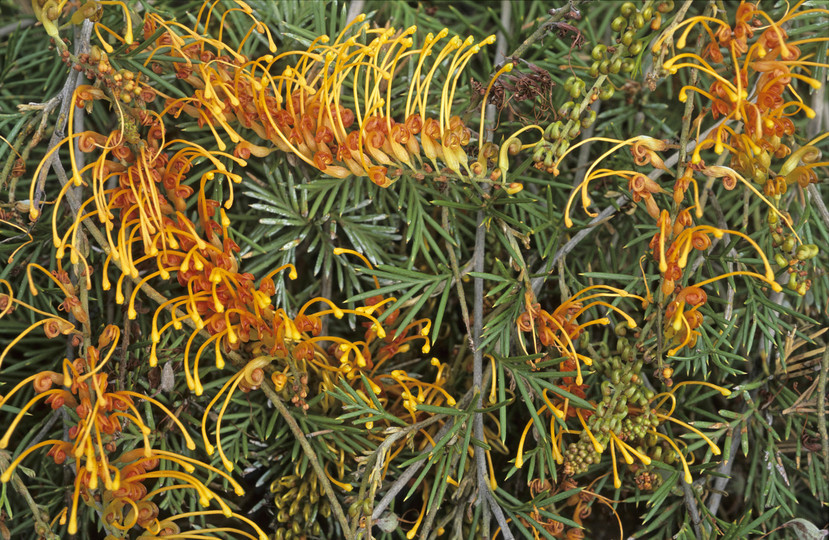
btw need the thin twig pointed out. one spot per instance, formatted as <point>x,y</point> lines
<point>407,475</point>
<point>310,454</point>
<point>41,525</point>
<point>693,510</point>
<point>821,409</point>
<point>13,27</point>
<point>67,101</point>
<point>724,475</point>
<point>556,15</point>
<point>478,253</point>
<point>816,198</point>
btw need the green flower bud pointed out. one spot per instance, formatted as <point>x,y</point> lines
<point>576,90</point>
<point>665,7</point>
<point>562,148</point>
<point>618,23</point>
<point>806,251</point>
<point>594,69</point>
<point>638,21</point>
<point>586,122</point>
<point>606,92</point>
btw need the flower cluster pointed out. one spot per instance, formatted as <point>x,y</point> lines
<point>114,486</point>
<point>753,66</point>
<point>148,192</point>
<point>331,106</point>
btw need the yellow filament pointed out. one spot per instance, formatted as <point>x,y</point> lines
<point>506,69</point>
<point>190,444</point>
<point>413,532</point>
<point>7,474</point>
<point>720,389</point>
<point>774,285</point>
<point>688,478</point>
<point>596,445</point>
<point>714,448</point>
<point>622,444</point>
<point>616,482</point>
<point>618,444</point>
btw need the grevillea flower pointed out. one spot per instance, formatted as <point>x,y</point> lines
<point>102,415</point>
<point>560,328</point>
<point>753,89</point>
<point>303,110</point>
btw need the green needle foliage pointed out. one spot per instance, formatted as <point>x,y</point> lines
<point>296,270</point>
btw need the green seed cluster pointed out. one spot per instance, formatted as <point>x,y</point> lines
<point>299,502</point>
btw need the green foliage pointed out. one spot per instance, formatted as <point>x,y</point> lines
<point>469,443</point>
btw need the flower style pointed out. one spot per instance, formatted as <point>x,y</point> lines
<point>755,95</point>
<point>302,111</point>
<point>103,415</point>
<point>560,328</point>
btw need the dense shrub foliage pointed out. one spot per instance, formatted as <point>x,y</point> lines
<point>287,269</point>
